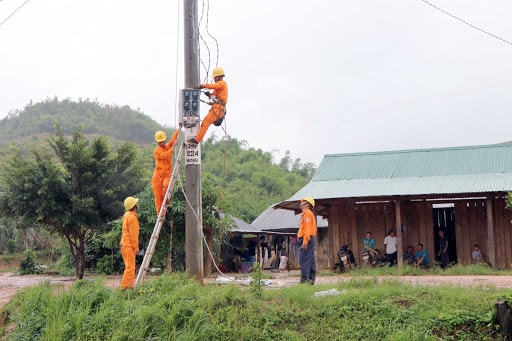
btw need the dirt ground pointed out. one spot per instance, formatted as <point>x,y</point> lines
<point>10,283</point>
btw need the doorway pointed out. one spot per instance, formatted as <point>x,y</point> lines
<point>444,219</point>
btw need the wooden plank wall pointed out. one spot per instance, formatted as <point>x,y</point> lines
<point>502,232</point>
<point>470,228</point>
<point>349,222</point>
<point>322,252</point>
<point>377,218</point>
<point>418,225</point>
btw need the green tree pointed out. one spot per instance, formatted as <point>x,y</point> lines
<point>75,192</point>
<point>248,178</point>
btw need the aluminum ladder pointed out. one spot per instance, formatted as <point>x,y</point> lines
<point>160,219</point>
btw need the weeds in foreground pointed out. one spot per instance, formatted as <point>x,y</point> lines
<point>175,308</point>
<point>407,270</point>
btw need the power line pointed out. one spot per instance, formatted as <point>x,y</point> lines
<point>16,10</point>
<point>207,31</point>
<point>467,23</point>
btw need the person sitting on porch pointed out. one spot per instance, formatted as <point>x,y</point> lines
<point>369,244</point>
<point>476,255</point>
<point>422,257</point>
<point>409,256</point>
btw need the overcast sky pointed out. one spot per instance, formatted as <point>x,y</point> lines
<point>312,77</point>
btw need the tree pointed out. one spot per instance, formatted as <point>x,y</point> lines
<point>75,194</point>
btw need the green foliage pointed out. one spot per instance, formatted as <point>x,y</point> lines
<point>407,270</point>
<point>250,181</point>
<point>77,183</point>
<point>120,122</point>
<point>174,308</point>
<point>257,276</point>
<point>28,264</point>
<point>75,196</point>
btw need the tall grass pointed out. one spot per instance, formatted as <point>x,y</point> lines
<point>174,308</point>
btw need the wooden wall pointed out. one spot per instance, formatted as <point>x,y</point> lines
<point>349,222</point>
<point>322,251</point>
<point>418,225</point>
<point>502,234</point>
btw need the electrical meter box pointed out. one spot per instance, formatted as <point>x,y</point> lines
<point>189,107</point>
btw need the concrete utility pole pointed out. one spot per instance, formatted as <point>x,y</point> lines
<point>193,190</point>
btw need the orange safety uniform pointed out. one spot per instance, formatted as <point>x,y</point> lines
<point>218,110</point>
<point>163,169</point>
<point>307,227</point>
<point>129,247</point>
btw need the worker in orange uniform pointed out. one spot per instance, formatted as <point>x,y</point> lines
<point>219,99</point>
<point>306,241</point>
<point>129,241</point>
<point>163,165</point>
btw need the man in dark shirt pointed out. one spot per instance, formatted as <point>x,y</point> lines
<point>443,249</point>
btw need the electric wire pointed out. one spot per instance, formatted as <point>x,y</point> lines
<point>467,23</point>
<point>176,108</point>
<point>208,32</point>
<point>16,10</point>
<point>224,128</point>
<point>210,253</point>
<point>205,66</point>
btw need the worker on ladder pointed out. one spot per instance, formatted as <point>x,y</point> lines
<point>218,101</point>
<point>129,241</point>
<point>163,165</point>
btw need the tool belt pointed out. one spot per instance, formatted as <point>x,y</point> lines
<point>223,104</point>
<point>218,101</point>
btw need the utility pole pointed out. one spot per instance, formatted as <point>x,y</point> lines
<point>193,190</point>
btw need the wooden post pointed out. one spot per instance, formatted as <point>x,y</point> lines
<point>490,232</point>
<point>399,248</point>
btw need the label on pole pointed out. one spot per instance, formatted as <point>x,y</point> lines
<point>193,156</point>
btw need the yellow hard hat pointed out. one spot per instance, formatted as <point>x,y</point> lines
<point>160,136</point>
<point>310,200</point>
<point>218,71</point>
<point>130,202</point>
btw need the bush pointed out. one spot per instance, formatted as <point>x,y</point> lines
<point>28,263</point>
<point>11,246</point>
<point>109,264</point>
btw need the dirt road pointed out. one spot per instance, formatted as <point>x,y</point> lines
<point>11,283</point>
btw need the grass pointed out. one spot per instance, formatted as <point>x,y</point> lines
<point>453,270</point>
<point>172,307</point>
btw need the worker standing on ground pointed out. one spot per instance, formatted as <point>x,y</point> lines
<point>163,165</point>
<point>129,241</point>
<point>306,240</point>
<point>219,99</point>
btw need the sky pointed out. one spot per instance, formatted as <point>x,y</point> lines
<point>309,77</point>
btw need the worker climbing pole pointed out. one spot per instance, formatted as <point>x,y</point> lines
<point>218,101</point>
<point>161,204</point>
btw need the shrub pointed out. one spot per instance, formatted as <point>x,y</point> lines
<point>28,263</point>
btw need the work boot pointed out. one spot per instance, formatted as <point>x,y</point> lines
<point>192,140</point>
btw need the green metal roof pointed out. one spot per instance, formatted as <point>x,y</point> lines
<point>456,170</point>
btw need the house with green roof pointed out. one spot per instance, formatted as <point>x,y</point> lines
<point>460,190</point>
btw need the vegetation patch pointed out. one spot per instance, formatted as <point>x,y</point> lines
<point>173,307</point>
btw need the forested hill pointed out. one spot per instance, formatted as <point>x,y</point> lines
<point>120,122</point>
<point>251,179</point>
